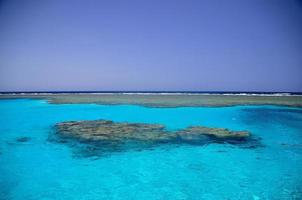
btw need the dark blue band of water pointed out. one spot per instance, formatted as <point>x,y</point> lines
<point>155,92</point>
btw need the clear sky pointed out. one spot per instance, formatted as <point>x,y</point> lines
<point>214,45</point>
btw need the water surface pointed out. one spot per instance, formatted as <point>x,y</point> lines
<point>40,169</point>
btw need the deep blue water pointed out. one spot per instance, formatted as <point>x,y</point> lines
<point>41,169</point>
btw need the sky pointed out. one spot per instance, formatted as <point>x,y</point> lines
<point>151,45</point>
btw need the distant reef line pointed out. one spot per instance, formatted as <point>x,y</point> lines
<point>241,93</point>
<point>165,100</point>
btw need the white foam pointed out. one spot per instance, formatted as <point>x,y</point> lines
<point>152,93</point>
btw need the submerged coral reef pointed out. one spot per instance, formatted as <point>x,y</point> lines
<point>170,100</point>
<point>105,135</point>
<point>23,139</point>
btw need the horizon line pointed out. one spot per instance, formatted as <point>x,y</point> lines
<point>144,91</point>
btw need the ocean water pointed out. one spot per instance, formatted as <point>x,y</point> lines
<point>40,169</point>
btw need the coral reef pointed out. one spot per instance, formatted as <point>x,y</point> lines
<point>106,130</point>
<point>217,133</point>
<point>106,135</point>
<point>23,139</point>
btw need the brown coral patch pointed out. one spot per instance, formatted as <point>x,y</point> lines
<point>107,135</point>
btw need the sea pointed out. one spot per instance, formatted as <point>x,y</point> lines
<point>34,167</point>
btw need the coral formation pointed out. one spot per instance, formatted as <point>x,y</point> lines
<point>23,139</point>
<point>105,135</point>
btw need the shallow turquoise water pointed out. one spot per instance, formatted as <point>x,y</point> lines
<point>40,169</point>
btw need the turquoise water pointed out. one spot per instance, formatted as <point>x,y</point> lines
<point>41,169</point>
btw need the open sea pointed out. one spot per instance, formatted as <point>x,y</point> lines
<point>33,167</point>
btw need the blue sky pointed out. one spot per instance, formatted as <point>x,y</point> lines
<point>218,45</point>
